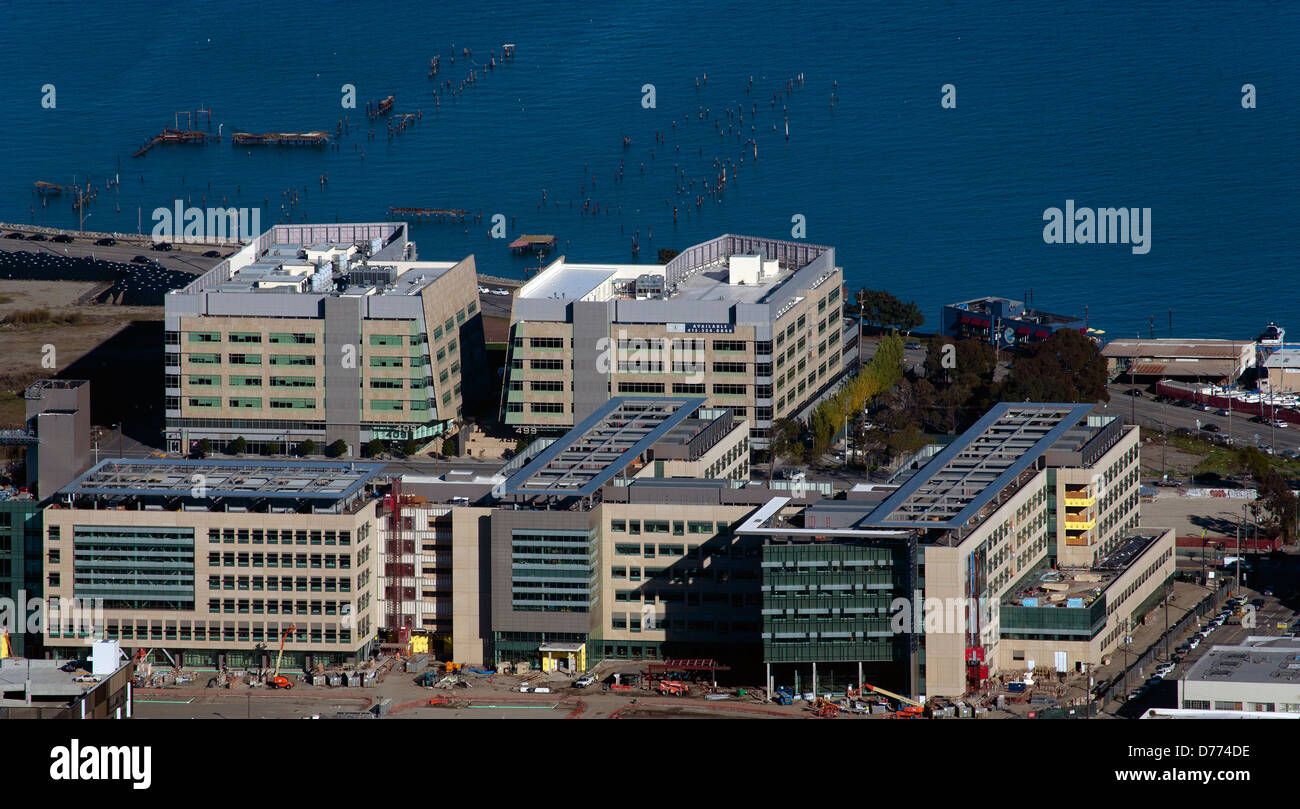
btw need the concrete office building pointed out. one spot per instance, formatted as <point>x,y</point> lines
<point>749,324</point>
<point>208,562</point>
<point>928,588</point>
<point>323,332</point>
<point>58,416</point>
<point>592,543</point>
<point>1258,675</point>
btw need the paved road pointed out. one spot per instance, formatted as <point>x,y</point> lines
<point>1150,413</point>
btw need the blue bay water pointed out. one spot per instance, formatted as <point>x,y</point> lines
<point>1132,105</point>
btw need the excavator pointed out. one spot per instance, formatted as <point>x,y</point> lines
<point>275,680</point>
<point>914,709</point>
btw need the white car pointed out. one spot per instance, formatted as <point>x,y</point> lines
<point>1279,423</point>
<point>1194,642</point>
<point>500,292</point>
<point>484,290</point>
<point>584,681</point>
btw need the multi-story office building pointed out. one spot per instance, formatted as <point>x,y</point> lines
<point>1019,542</point>
<point>322,333</point>
<point>749,324</point>
<point>209,562</point>
<point>1003,322</point>
<point>602,540</point>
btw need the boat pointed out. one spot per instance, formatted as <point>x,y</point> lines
<point>1272,336</point>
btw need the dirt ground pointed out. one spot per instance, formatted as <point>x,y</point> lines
<point>24,347</point>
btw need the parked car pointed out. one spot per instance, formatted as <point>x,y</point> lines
<point>584,681</point>
<point>1182,403</point>
<point>912,345</point>
<point>161,247</point>
<point>1279,423</point>
<point>1194,642</point>
<point>1134,392</point>
<point>107,241</point>
<point>1222,411</point>
<point>1203,406</point>
<point>212,254</point>
<point>62,238</point>
<point>37,237</point>
<point>500,292</point>
<point>141,260</point>
<point>14,235</point>
<point>1210,428</point>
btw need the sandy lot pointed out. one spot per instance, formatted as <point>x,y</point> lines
<point>24,348</point>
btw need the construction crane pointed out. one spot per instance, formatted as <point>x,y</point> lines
<point>275,680</point>
<point>913,708</point>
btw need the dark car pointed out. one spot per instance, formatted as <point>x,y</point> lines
<point>37,237</point>
<point>1210,428</point>
<point>1134,392</point>
<point>212,254</point>
<point>15,235</point>
<point>1168,483</point>
<point>161,247</point>
<point>141,260</point>
<point>1182,403</point>
<point>1256,419</point>
<point>1208,477</point>
<point>62,238</point>
<point>107,241</point>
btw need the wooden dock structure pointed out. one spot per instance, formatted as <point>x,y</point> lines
<point>383,107</point>
<point>437,214</point>
<point>280,139</point>
<point>176,136</point>
<point>50,189</point>
<point>538,243</point>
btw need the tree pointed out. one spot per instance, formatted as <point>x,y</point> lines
<point>203,447</point>
<point>375,447</point>
<point>521,444</point>
<point>410,447</point>
<point>785,440</point>
<point>308,447</point>
<point>273,448</point>
<point>885,310</point>
<point>449,447</point>
<point>237,446</point>
<point>338,449</point>
<point>1066,367</point>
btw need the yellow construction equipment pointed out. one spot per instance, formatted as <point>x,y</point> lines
<point>913,709</point>
<point>6,648</point>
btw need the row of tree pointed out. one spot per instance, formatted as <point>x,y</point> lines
<point>1276,503</point>
<point>791,439</point>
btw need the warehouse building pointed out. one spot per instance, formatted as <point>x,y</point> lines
<point>1259,675</point>
<point>1183,360</point>
<point>208,563</point>
<point>1018,542</point>
<point>323,333</point>
<point>749,324</point>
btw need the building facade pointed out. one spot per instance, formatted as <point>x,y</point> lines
<point>323,333</point>
<point>748,324</point>
<point>211,563</point>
